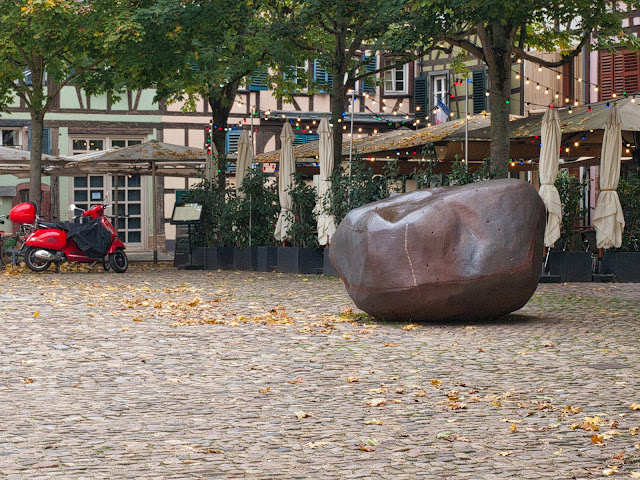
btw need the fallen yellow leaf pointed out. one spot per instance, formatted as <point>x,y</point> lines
<point>634,475</point>
<point>352,379</point>
<point>378,390</point>
<point>635,406</point>
<point>373,422</point>
<point>377,402</point>
<point>597,438</point>
<point>436,382</point>
<point>301,414</point>
<point>316,444</point>
<point>36,314</point>
<point>513,428</point>
<point>266,390</point>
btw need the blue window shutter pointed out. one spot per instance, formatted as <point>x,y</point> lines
<point>258,80</point>
<point>322,78</point>
<point>369,83</point>
<point>300,138</point>
<point>479,87</point>
<point>46,140</point>
<point>421,97</point>
<point>231,141</point>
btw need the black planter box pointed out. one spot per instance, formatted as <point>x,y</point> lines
<point>198,256</point>
<point>245,258</point>
<point>267,259</point>
<point>180,259</point>
<point>219,258</point>
<point>624,266</point>
<point>327,267</point>
<point>299,260</point>
<point>571,266</point>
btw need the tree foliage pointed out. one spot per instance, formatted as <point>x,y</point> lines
<point>47,44</point>
<point>337,34</point>
<point>499,31</point>
<point>202,49</point>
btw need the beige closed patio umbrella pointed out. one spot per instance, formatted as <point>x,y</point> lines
<point>326,222</point>
<point>551,137</point>
<point>244,160</point>
<point>608,218</point>
<point>285,181</point>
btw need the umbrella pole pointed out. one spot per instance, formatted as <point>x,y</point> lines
<point>155,208</point>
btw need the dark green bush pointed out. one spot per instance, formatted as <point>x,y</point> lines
<point>255,215</point>
<point>629,193</point>
<point>303,231</point>
<point>571,193</point>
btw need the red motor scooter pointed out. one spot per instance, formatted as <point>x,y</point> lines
<point>94,240</point>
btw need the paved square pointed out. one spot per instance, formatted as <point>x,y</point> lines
<point>166,374</point>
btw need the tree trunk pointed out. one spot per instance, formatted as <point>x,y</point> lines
<point>37,111</point>
<point>221,103</point>
<point>35,170</point>
<point>498,58</point>
<point>55,198</point>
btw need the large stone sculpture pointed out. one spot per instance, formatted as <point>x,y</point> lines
<point>468,252</point>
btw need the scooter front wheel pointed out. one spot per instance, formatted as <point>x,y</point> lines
<point>34,263</point>
<point>119,261</point>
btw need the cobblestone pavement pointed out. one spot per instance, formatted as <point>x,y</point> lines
<point>165,374</point>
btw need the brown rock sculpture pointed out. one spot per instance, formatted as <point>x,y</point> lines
<point>467,252</point>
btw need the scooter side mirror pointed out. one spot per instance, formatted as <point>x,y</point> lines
<point>72,207</point>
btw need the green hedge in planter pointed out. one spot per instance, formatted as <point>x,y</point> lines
<point>571,193</point>
<point>216,224</point>
<point>304,226</point>
<point>255,215</point>
<point>629,193</point>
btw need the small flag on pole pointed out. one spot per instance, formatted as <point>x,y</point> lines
<point>442,114</point>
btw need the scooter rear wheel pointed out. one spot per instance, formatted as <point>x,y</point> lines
<point>34,263</point>
<point>119,261</point>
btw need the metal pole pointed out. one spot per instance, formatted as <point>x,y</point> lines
<point>253,110</point>
<point>466,124</point>
<point>115,204</point>
<point>155,214</point>
<point>209,168</point>
<point>353,94</point>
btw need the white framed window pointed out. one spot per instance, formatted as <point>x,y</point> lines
<point>396,80</point>
<point>10,137</point>
<point>90,190</point>
<point>439,89</point>
<point>90,144</point>
<point>299,74</point>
